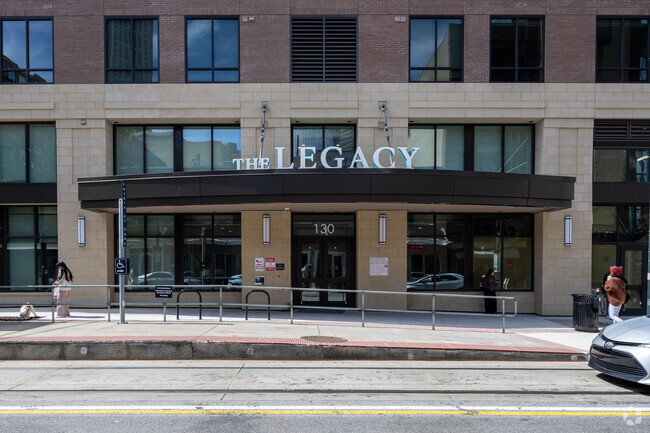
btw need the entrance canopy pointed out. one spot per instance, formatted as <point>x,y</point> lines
<point>406,189</point>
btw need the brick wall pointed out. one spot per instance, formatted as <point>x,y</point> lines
<point>265,40</point>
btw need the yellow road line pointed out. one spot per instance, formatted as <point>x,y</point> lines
<point>316,412</point>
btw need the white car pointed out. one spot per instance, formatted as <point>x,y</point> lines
<point>448,281</point>
<point>623,350</point>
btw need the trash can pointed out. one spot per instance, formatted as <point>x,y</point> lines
<point>585,312</point>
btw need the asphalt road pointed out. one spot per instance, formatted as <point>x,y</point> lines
<point>252,396</point>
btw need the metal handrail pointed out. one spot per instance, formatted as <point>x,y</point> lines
<point>268,300</point>
<point>108,304</point>
<point>178,303</point>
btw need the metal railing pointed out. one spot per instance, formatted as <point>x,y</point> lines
<point>362,294</point>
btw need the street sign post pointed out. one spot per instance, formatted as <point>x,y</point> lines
<point>164,292</point>
<point>122,243</point>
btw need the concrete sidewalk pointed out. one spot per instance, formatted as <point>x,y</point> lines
<point>314,335</point>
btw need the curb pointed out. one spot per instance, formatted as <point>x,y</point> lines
<point>200,350</point>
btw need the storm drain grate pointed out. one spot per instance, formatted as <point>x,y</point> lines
<point>324,339</point>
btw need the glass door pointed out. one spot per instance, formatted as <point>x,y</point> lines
<point>634,260</point>
<point>322,263</point>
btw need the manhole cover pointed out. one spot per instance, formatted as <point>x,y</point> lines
<point>324,339</point>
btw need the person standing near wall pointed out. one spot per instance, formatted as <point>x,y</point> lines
<point>61,293</point>
<point>616,289</point>
<point>489,286</point>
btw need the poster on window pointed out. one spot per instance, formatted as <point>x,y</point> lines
<point>378,266</point>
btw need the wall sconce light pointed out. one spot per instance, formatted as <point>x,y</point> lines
<point>568,231</point>
<point>81,231</point>
<point>266,229</point>
<point>382,229</point>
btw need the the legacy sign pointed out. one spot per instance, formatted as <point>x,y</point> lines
<point>308,154</point>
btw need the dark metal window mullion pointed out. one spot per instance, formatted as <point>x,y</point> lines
<point>132,51</point>
<point>503,148</point>
<point>35,242</point>
<point>516,52</point>
<point>212,50</point>
<point>435,159</point>
<point>435,62</point>
<point>621,73</point>
<point>27,158</point>
<point>212,146</point>
<point>144,150</point>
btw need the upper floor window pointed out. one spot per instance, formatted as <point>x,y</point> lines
<point>436,49</point>
<point>622,151</point>
<point>212,50</point>
<point>309,142</point>
<point>441,147</point>
<point>165,149</point>
<point>504,148</point>
<point>622,50</point>
<point>26,51</point>
<point>517,50</point>
<point>132,50</point>
<point>324,49</point>
<point>28,153</point>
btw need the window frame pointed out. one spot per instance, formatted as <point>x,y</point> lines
<point>212,69</point>
<point>35,237</point>
<point>27,152</point>
<point>436,68</point>
<point>132,68</point>
<point>516,68</point>
<point>28,69</point>
<point>622,68</point>
<point>177,145</point>
<point>294,149</point>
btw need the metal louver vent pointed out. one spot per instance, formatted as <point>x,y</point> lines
<point>611,130</point>
<point>640,130</point>
<point>324,49</point>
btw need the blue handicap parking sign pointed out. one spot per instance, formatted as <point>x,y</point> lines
<point>121,266</point>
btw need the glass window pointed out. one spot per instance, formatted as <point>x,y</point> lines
<point>132,50</point>
<point>633,223</point>
<point>609,165</point>
<point>212,50</point>
<point>150,249</point>
<point>604,225</point>
<point>504,244</point>
<point>639,165</point>
<point>320,137</point>
<point>212,250</point>
<point>622,50</point>
<point>436,49</point>
<point>518,149</point>
<point>32,249</point>
<point>226,146</point>
<point>13,155</point>
<point>197,148</point>
<point>436,245</point>
<point>516,50</point>
<point>35,143</point>
<point>26,51</point>
<point>442,147</point>
<point>42,153</point>
<point>159,149</point>
<point>487,148</point>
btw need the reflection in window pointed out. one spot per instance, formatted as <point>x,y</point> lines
<point>639,165</point>
<point>435,245</point>
<point>33,142</point>
<point>436,49</point>
<point>132,50</point>
<point>140,149</point>
<point>604,225</point>
<point>442,147</point>
<point>212,50</point>
<point>504,148</point>
<point>609,165</point>
<point>504,244</point>
<point>342,138</point>
<point>31,245</point>
<point>212,250</point>
<point>150,248</point>
<point>622,50</point>
<point>26,51</point>
<point>517,50</point>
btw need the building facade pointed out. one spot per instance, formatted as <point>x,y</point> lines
<point>400,146</point>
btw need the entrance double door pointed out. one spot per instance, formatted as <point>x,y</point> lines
<point>323,263</point>
<point>634,259</point>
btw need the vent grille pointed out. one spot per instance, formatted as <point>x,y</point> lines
<point>613,130</point>
<point>324,49</point>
